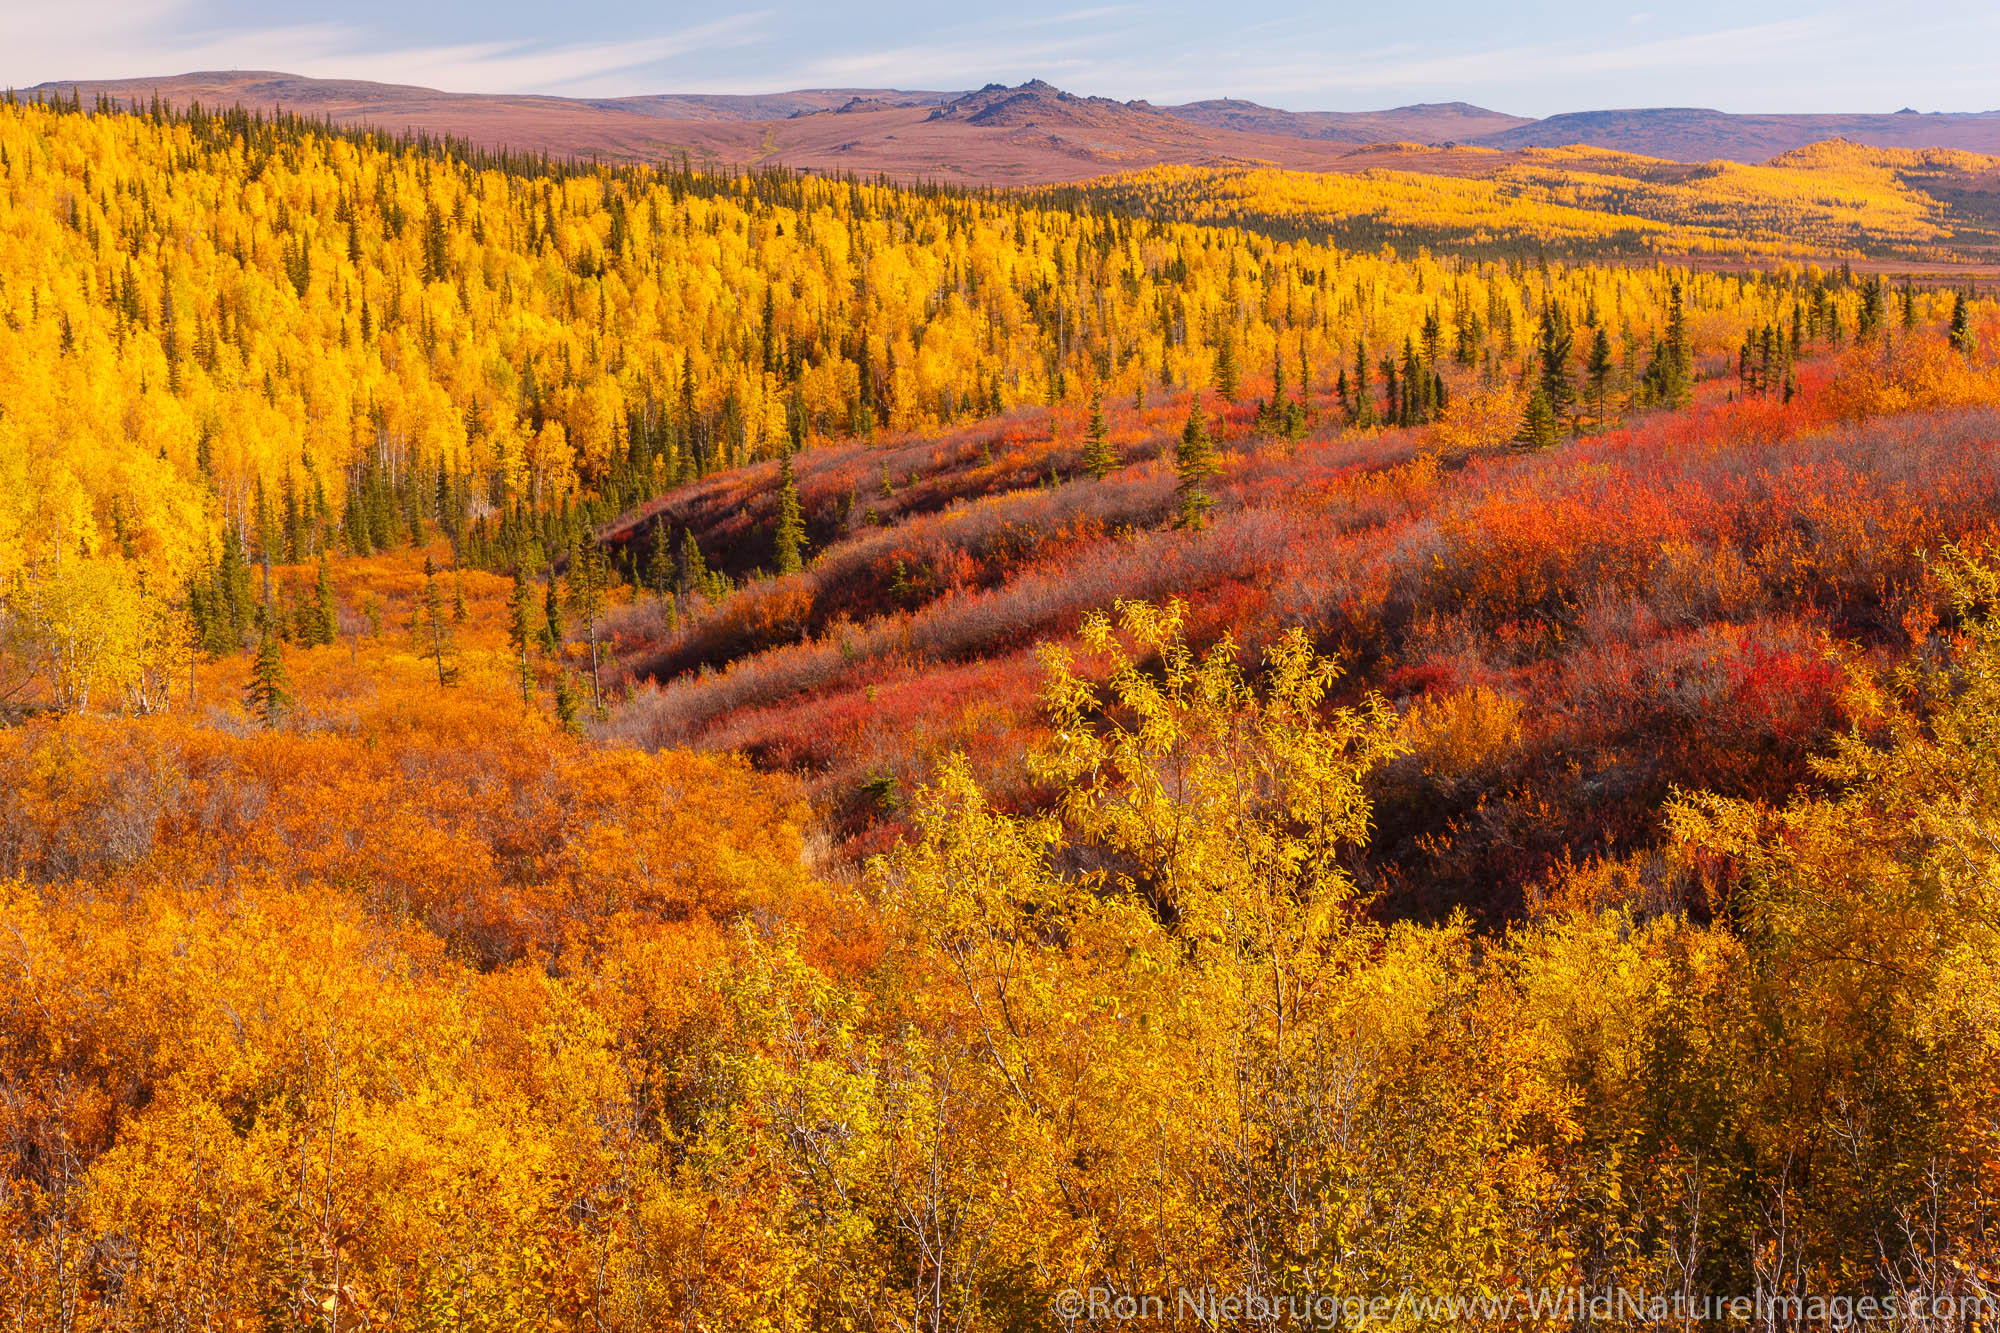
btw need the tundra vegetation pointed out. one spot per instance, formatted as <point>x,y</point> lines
<point>617,749</point>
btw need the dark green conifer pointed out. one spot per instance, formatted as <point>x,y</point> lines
<point>325,610</point>
<point>267,693</point>
<point>521,634</point>
<point>584,590</point>
<point>1539,426</point>
<point>433,627</point>
<point>1597,368</point>
<point>1098,458</point>
<point>791,537</point>
<point>1228,380</point>
<point>1194,463</point>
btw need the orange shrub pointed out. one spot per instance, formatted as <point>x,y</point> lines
<point>1920,373</point>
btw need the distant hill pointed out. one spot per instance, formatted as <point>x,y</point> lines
<point>769,106</point>
<point>1028,134</point>
<point>1427,123</point>
<point>1034,132</point>
<point>557,125</point>
<point>1695,134</point>
<point>624,128</point>
<point>1038,102</point>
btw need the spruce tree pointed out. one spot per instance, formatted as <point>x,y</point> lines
<point>1555,344</point>
<point>1961,328</point>
<point>1869,321</point>
<point>693,569</point>
<point>1363,411</point>
<point>521,633</point>
<point>267,537</point>
<point>1669,377</point>
<point>1598,369</point>
<point>1277,413</point>
<point>791,525</point>
<point>325,611</point>
<point>232,585</point>
<point>1098,458</point>
<point>1228,380</point>
<point>1539,427</point>
<point>566,704</point>
<point>1680,348</point>
<point>433,627</point>
<point>354,525</point>
<point>267,694</point>
<point>552,621</point>
<point>584,590</point>
<point>1303,411</point>
<point>1416,387</point>
<point>1194,464</point>
<point>660,563</point>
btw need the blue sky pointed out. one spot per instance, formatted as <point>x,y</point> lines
<point>1532,60</point>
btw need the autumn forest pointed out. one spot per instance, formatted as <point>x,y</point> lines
<point>616,747</point>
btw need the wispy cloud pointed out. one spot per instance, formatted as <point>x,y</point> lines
<point>1845,54</point>
<point>1533,64</point>
<point>586,69</point>
<point>1305,67</point>
<point>1072,47</point>
<point>42,40</point>
<point>1309,64</point>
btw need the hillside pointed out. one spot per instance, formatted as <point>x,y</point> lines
<point>1450,572</point>
<point>768,106</point>
<point>1041,134</point>
<point>1426,123</point>
<point>1692,134</point>
<point>622,748</point>
<point>1829,199</point>
<point>375,326</point>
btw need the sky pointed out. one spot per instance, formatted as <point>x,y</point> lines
<point>1535,60</point>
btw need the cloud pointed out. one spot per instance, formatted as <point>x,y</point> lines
<point>1552,63</point>
<point>1055,47</point>
<point>1165,50</point>
<point>64,39</point>
<point>1129,51</point>
<point>586,69</point>
<point>1071,48</point>
<point>1290,67</point>
<point>47,40</point>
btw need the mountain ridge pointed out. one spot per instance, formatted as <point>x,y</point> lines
<point>1023,134</point>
